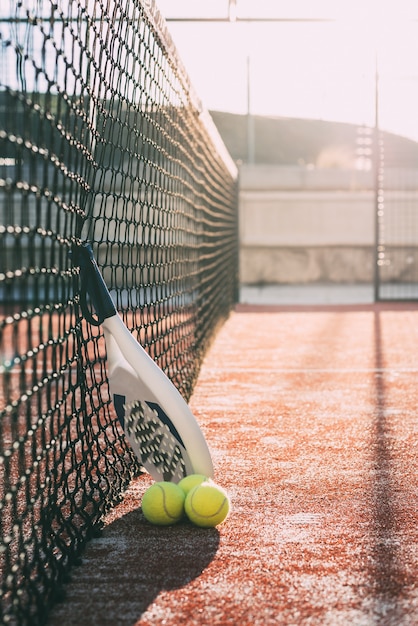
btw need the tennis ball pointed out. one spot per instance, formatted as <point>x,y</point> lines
<point>207,505</point>
<point>188,482</point>
<point>163,503</point>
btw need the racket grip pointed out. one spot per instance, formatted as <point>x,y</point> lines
<point>92,283</point>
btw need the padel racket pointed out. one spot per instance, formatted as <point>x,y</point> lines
<point>157,421</point>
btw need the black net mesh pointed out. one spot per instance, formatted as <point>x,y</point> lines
<point>396,218</point>
<point>101,138</point>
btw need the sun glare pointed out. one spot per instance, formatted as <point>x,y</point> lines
<point>323,69</point>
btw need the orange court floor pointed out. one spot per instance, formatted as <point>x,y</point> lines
<point>310,413</point>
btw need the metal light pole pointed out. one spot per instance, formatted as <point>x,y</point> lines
<point>250,118</point>
<point>378,193</point>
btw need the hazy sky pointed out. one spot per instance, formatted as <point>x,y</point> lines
<point>318,70</point>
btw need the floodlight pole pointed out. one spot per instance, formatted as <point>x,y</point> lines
<point>232,10</point>
<point>250,118</point>
<point>378,197</point>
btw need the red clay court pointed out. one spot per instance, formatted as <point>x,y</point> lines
<point>310,414</point>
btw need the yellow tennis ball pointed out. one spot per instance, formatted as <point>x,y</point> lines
<point>207,505</point>
<point>163,503</point>
<point>188,482</point>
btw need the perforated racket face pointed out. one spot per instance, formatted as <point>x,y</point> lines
<point>156,441</point>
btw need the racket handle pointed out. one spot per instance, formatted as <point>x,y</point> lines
<point>92,283</point>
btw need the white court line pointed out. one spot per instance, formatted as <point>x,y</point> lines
<point>313,370</point>
<point>259,370</point>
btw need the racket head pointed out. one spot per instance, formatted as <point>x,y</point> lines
<point>154,439</point>
<point>158,423</point>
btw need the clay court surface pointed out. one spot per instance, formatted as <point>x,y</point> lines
<point>311,416</point>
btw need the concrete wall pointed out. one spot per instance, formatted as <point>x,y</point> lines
<point>299,225</point>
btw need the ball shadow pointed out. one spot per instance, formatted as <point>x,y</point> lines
<point>133,561</point>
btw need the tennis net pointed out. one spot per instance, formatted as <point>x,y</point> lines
<point>396,218</point>
<point>102,138</point>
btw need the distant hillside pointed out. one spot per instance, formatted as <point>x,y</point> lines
<point>291,141</point>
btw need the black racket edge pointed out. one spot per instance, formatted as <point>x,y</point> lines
<point>92,286</point>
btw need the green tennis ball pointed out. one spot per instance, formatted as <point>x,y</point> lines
<point>207,505</point>
<point>163,503</point>
<point>188,482</point>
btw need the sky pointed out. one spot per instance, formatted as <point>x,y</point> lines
<point>304,69</point>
